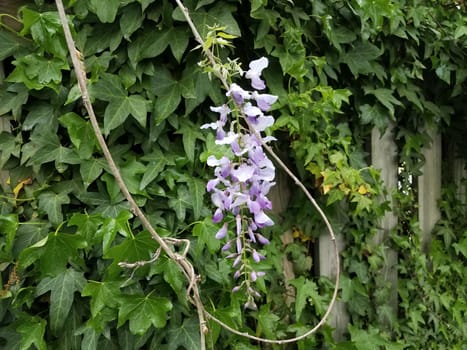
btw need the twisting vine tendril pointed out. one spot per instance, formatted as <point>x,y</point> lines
<point>167,244</point>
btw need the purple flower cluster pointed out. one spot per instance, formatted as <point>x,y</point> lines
<point>244,176</point>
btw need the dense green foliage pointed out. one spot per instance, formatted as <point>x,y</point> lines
<point>339,68</point>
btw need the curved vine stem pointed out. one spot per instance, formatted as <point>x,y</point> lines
<point>180,259</point>
<point>165,244</point>
<point>297,181</point>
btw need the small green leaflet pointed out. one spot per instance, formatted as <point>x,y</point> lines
<point>8,228</point>
<point>105,10</point>
<point>185,336</point>
<point>148,45</point>
<point>307,291</point>
<point>62,289</point>
<point>103,294</point>
<point>51,203</point>
<point>205,231</point>
<point>190,133</point>
<point>385,97</point>
<point>143,312</point>
<point>360,57</point>
<point>32,332</point>
<point>181,202</point>
<point>133,248</point>
<point>81,134</point>
<point>197,191</point>
<point>59,250</point>
<point>119,109</point>
<point>9,44</point>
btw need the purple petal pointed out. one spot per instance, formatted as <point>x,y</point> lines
<point>228,139</point>
<point>212,184</point>
<point>254,207</point>
<point>251,111</point>
<point>254,73</point>
<point>253,276</point>
<point>238,94</point>
<point>244,172</point>
<point>227,246</point>
<point>256,256</point>
<point>236,289</point>
<point>218,216</point>
<point>237,261</point>
<point>223,110</point>
<point>264,101</point>
<point>222,232</point>
<point>263,122</point>
<point>250,304</point>
<point>261,239</point>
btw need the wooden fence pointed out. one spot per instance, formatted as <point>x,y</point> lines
<point>384,158</point>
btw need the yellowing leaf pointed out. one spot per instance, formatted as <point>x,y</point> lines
<point>20,185</point>
<point>326,188</point>
<point>362,190</point>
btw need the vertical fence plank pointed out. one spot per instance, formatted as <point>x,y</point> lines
<point>384,158</point>
<point>429,188</point>
<point>339,318</point>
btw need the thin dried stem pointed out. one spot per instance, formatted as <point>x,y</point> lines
<point>181,260</point>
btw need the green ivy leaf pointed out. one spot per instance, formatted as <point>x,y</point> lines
<point>181,202</point>
<point>60,249</point>
<point>178,39</point>
<point>32,332</point>
<point>38,72</point>
<point>143,312</point>
<point>205,231</point>
<point>167,104</point>
<point>9,44</point>
<point>62,288</point>
<point>360,57</point>
<point>108,88</point>
<point>153,169</point>
<point>385,97</point>
<point>366,339</point>
<point>131,20</point>
<point>132,248</point>
<point>307,291</point>
<point>268,321</point>
<point>51,203</point>
<point>86,225</point>
<point>190,133</point>
<point>46,30</point>
<point>105,10</point>
<point>8,228</point>
<point>148,45</point>
<point>81,134</point>
<point>13,98</point>
<point>9,146</point>
<point>185,335</point>
<point>119,109</point>
<point>375,115</point>
<point>91,169</point>
<point>172,273</point>
<point>197,189</point>
<point>103,294</point>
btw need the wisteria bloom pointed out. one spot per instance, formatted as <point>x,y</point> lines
<point>243,177</point>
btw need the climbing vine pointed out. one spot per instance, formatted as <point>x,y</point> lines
<point>338,69</point>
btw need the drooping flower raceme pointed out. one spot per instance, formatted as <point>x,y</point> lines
<point>243,176</point>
